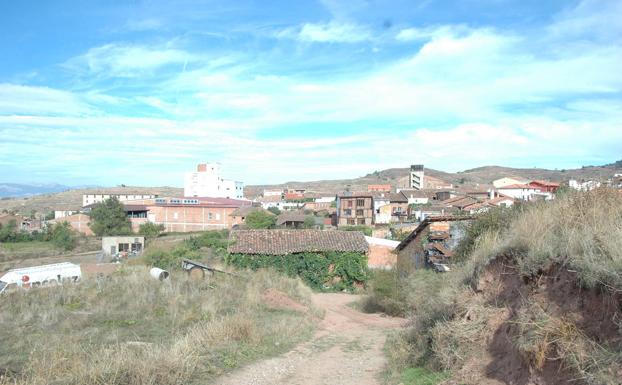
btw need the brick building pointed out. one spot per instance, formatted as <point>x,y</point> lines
<point>355,209</point>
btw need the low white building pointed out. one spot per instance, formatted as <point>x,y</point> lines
<point>272,193</point>
<point>414,196</point>
<point>63,213</point>
<point>89,199</point>
<point>382,209</point>
<point>583,186</point>
<point>519,191</point>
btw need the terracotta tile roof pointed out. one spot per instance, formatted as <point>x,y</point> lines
<point>398,197</point>
<point>290,216</point>
<point>544,183</point>
<point>499,199</point>
<point>284,242</point>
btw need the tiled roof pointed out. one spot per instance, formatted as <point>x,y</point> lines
<point>290,216</point>
<point>398,197</point>
<point>283,242</point>
<point>245,210</point>
<point>515,186</point>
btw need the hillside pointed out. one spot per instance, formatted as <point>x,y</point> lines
<point>477,178</point>
<point>473,178</point>
<point>72,199</point>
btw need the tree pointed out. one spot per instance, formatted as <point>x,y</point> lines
<point>150,230</point>
<point>260,220</point>
<point>109,218</point>
<point>309,222</point>
<point>274,210</point>
<point>62,236</point>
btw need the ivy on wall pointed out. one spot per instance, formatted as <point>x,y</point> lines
<point>319,270</point>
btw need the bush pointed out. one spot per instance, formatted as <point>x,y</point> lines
<point>321,271</point>
<point>169,259</point>
<point>63,237</point>
<point>109,218</point>
<point>150,230</point>
<point>260,220</point>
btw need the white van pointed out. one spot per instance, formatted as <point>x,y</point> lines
<point>43,275</point>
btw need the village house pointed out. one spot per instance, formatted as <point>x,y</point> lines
<point>416,197</point>
<point>121,195</point>
<point>544,186</point>
<point>506,181</point>
<point>381,253</point>
<point>355,209</point>
<point>520,191</point>
<point>431,244</point>
<point>321,204</point>
<point>123,244</point>
<point>194,214</point>
<point>78,222</point>
<point>399,207</point>
<point>206,181</point>
<point>238,216</point>
<point>282,242</point>
<point>291,219</point>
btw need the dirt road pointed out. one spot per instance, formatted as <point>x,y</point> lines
<point>347,349</point>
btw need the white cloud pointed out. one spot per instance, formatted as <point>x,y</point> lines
<point>331,32</point>
<point>128,60</point>
<point>20,99</point>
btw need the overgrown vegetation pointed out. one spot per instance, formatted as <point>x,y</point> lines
<point>60,235</point>
<point>150,230</point>
<point>260,220</point>
<point>451,324</point>
<point>321,271</point>
<point>362,228</point>
<point>129,329</point>
<point>206,246</point>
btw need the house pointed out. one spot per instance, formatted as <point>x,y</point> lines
<point>382,208</point>
<point>238,216</point>
<point>415,197</point>
<point>78,222</point>
<point>206,181</point>
<point>381,255</point>
<point>434,210</point>
<point>544,186</point>
<point>355,209</point>
<point>506,181</point>
<point>288,242</point>
<point>293,196</point>
<point>121,195</point>
<point>459,202</point>
<point>321,204</point>
<point>272,193</point>
<point>194,214</point>
<point>431,244</point>
<point>584,185</point>
<point>64,213</point>
<point>291,219</point>
<point>443,195</point>
<point>519,191</point>
<point>122,244</point>
<point>386,188</point>
<point>22,223</point>
<point>399,207</point>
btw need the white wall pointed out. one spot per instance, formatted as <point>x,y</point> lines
<point>210,184</point>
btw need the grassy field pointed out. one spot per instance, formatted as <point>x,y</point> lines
<point>16,251</point>
<point>131,329</point>
<point>541,281</point>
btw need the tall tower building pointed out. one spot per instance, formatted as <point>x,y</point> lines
<point>207,182</point>
<point>416,176</point>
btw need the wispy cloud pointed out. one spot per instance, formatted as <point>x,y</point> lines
<point>330,32</point>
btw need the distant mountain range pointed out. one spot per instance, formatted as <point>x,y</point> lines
<point>25,190</point>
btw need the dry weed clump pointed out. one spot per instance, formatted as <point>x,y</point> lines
<point>543,338</point>
<point>130,329</point>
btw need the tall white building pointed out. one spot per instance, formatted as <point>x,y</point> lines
<point>207,182</point>
<point>416,176</point>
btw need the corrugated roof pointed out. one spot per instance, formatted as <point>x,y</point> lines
<point>284,242</point>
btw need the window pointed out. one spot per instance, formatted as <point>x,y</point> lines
<point>347,212</point>
<point>175,201</point>
<point>360,212</point>
<point>349,204</point>
<point>361,221</point>
<point>209,216</point>
<point>124,247</point>
<point>360,202</point>
<point>351,222</point>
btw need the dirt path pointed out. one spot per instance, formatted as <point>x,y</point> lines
<point>347,349</point>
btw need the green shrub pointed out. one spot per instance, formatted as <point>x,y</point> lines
<point>331,270</point>
<point>150,230</point>
<point>364,229</point>
<point>63,237</point>
<point>169,259</point>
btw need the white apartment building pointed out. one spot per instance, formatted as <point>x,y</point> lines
<point>207,182</point>
<point>89,199</point>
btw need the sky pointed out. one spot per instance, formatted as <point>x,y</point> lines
<point>138,92</point>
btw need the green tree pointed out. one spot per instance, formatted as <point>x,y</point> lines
<point>62,236</point>
<point>274,210</point>
<point>109,218</point>
<point>260,220</point>
<point>309,222</point>
<point>150,230</point>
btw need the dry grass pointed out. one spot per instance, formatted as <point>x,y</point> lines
<point>450,323</point>
<point>131,329</point>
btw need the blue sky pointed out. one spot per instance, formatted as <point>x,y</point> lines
<point>138,92</point>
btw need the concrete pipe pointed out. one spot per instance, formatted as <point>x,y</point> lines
<point>159,274</point>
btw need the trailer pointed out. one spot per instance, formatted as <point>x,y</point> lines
<point>44,275</point>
